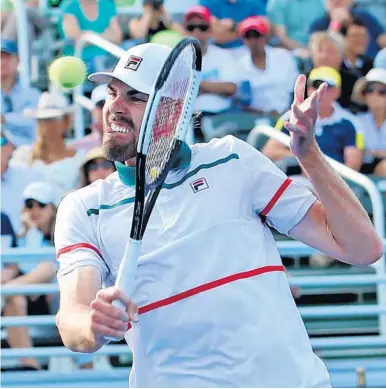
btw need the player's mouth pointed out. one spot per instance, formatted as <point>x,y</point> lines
<point>114,127</point>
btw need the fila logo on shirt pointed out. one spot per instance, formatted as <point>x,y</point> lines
<point>199,185</point>
<point>133,62</point>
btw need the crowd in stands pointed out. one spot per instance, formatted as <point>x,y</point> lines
<point>253,50</point>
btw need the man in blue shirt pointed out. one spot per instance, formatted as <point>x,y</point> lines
<point>227,14</point>
<point>339,14</point>
<point>15,98</point>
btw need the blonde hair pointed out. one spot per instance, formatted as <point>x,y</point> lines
<point>319,37</point>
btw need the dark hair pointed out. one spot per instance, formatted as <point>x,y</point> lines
<point>355,21</point>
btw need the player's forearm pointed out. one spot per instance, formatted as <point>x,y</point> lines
<point>74,328</point>
<point>346,219</point>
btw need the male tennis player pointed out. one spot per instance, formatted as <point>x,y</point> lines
<point>215,308</point>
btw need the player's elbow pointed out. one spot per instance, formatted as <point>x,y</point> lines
<point>372,251</point>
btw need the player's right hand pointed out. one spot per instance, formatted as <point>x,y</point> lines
<point>108,320</point>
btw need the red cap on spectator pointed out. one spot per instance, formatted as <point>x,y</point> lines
<point>199,10</point>
<point>254,23</point>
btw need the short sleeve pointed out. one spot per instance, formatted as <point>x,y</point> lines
<point>75,240</point>
<point>275,197</point>
<point>276,12</point>
<point>353,134</point>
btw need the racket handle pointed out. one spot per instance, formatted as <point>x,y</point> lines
<point>126,274</point>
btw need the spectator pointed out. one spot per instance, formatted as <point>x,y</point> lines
<point>38,217</point>
<point>340,13</point>
<point>218,73</point>
<point>327,49</point>
<point>88,142</point>
<point>80,16</point>
<point>13,181</point>
<point>36,23</point>
<point>336,130</point>
<point>291,20</point>
<point>15,98</point>
<point>8,236</point>
<point>270,71</point>
<point>95,167</point>
<point>49,155</point>
<point>155,18</point>
<point>380,59</point>
<point>371,91</point>
<point>227,14</point>
<point>355,64</point>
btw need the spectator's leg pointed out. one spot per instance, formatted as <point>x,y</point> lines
<point>380,169</point>
<point>18,337</point>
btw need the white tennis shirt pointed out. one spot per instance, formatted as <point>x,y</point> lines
<point>216,309</point>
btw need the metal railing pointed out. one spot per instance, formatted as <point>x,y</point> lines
<point>359,179</point>
<point>23,44</point>
<point>113,49</point>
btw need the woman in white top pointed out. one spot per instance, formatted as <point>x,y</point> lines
<point>371,92</point>
<point>49,154</point>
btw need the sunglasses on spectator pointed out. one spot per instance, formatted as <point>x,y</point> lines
<point>95,165</point>
<point>200,27</point>
<point>252,34</point>
<point>30,203</point>
<point>371,88</point>
<point>4,141</point>
<point>316,84</point>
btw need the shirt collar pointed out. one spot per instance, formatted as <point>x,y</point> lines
<point>127,173</point>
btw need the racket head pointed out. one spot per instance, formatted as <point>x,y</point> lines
<point>169,111</point>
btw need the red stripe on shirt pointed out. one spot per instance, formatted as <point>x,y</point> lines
<point>275,197</point>
<point>73,247</point>
<point>205,287</point>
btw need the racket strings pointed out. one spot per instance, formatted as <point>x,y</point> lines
<point>169,114</point>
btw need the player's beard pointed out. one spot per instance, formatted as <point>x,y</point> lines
<point>114,151</point>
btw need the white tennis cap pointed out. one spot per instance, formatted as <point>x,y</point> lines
<point>137,68</point>
<point>44,192</point>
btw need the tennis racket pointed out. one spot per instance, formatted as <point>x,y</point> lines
<point>166,120</point>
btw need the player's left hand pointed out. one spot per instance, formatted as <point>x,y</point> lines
<point>303,117</point>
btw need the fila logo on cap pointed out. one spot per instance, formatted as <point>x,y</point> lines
<point>133,62</point>
<point>199,185</point>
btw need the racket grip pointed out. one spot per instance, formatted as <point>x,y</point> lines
<point>126,274</point>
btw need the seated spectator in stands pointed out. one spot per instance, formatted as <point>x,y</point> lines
<point>291,20</point>
<point>340,13</point>
<point>380,59</point>
<point>371,91</point>
<point>37,22</point>
<point>355,62</point>
<point>227,15</point>
<point>38,217</point>
<point>95,167</point>
<point>15,98</point>
<point>155,18</point>
<point>270,71</point>
<point>57,162</point>
<point>336,130</point>
<point>14,179</point>
<point>80,16</point>
<point>218,72</point>
<point>88,142</point>
<point>327,49</point>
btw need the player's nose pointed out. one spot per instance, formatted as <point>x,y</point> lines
<point>119,105</point>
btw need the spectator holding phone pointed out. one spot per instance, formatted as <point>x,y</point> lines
<point>371,92</point>
<point>155,18</point>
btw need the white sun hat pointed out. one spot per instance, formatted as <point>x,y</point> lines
<point>44,192</point>
<point>137,68</point>
<point>51,105</point>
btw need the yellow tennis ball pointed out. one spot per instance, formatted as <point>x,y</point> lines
<point>67,72</point>
<point>153,172</point>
